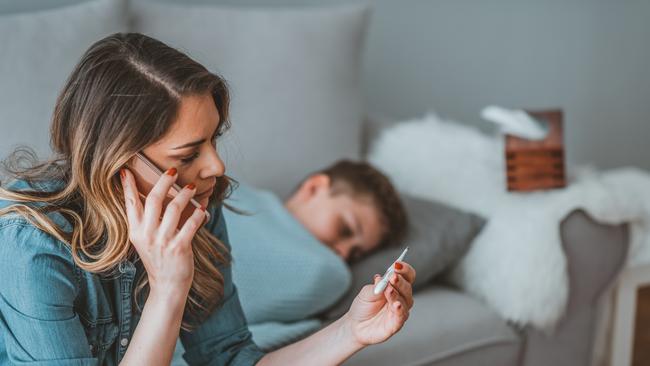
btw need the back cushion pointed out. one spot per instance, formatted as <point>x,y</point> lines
<point>294,79</point>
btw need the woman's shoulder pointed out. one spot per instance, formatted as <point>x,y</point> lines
<point>22,240</point>
<point>21,237</point>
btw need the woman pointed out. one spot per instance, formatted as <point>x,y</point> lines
<point>100,276</point>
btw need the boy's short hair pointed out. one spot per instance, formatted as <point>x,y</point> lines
<point>360,179</point>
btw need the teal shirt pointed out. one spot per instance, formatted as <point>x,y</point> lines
<point>54,313</point>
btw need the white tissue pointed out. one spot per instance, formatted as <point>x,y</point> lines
<point>515,122</point>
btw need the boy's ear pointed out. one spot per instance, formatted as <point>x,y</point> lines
<point>315,183</point>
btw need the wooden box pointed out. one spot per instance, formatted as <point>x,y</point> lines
<point>537,164</point>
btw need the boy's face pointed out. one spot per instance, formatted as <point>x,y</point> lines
<point>351,226</point>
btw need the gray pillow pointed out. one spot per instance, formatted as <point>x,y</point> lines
<point>438,236</point>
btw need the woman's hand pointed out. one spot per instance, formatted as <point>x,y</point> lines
<point>371,319</point>
<point>375,318</point>
<point>165,251</point>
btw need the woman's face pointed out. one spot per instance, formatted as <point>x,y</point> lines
<point>190,146</point>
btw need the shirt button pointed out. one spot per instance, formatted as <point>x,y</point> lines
<point>124,342</point>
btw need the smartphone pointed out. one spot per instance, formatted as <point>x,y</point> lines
<point>147,175</point>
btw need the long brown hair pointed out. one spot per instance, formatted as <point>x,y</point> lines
<point>122,96</point>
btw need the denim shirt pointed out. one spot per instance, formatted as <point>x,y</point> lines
<point>54,313</point>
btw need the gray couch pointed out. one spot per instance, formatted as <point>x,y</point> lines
<point>446,326</point>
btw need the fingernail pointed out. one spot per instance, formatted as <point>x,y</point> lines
<point>171,171</point>
<point>398,265</point>
<point>190,186</point>
<point>203,208</point>
<point>122,173</point>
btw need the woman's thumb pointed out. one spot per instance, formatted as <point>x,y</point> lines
<point>368,291</point>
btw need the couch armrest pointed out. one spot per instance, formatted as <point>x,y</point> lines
<point>595,255</point>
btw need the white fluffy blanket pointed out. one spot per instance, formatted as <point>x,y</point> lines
<point>516,264</point>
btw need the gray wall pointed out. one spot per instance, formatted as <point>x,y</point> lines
<point>590,58</point>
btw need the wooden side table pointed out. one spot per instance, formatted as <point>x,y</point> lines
<point>631,328</point>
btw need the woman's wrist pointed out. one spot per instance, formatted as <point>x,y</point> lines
<point>156,333</point>
<point>346,333</point>
<point>331,345</point>
<point>174,298</point>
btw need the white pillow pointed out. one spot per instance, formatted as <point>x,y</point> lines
<point>294,77</point>
<point>444,161</point>
<point>39,50</point>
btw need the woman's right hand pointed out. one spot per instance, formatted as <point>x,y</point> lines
<point>165,251</point>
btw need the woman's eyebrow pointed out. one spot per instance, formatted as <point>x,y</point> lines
<point>189,144</point>
<point>195,143</point>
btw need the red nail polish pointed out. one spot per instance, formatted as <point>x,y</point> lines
<point>398,265</point>
<point>190,186</point>
<point>171,171</point>
<point>122,173</point>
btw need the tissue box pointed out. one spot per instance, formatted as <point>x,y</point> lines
<point>539,164</point>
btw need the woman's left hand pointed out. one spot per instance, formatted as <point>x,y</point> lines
<point>375,318</point>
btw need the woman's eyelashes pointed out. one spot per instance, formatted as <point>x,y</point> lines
<point>190,159</point>
<point>196,154</point>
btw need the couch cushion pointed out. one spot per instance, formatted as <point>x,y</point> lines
<point>444,326</point>
<point>294,77</point>
<point>39,50</point>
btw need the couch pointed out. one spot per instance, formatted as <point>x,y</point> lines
<point>446,326</point>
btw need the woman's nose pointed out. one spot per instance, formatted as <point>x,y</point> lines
<point>214,166</point>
